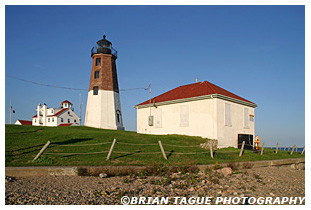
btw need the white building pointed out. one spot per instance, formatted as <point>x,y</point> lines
<point>199,109</point>
<point>63,116</point>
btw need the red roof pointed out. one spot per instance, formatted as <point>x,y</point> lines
<point>65,124</point>
<point>25,122</point>
<point>56,114</point>
<point>193,90</point>
<point>66,101</point>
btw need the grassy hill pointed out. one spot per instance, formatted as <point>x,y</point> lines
<point>22,143</point>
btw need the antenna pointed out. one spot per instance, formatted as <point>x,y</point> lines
<point>80,108</point>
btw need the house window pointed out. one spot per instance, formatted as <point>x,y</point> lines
<point>52,111</point>
<point>95,90</point>
<point>48,119</point>
<point>35,120</point>
<point>53,119</point>
<point>227,114</point>
<point>62,119</point>
<point>158,118</point>
<point>184,115</point>
<point>97,61</point>
<point>246,118</point>
<point>68,120</point>
<point>96,74</point>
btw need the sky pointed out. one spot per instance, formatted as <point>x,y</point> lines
<point>256,52</point>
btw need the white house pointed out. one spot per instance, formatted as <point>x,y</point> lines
<point>199,109</point>
<point>63,116</point>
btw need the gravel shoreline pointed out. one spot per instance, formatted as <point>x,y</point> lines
<point>87,190</point>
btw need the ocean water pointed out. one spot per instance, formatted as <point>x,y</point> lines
<point>290,149</point>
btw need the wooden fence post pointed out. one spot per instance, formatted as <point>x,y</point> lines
<point>242,149</point>
<point>277,148</point>
<point>211,149</point>
<point>111,149</point>
<point>262,148</point>
<point>162,150</point>
<point>303,151</point>
<point>293,149</point>
<point>41,151</point>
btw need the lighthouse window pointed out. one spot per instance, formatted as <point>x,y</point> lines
<point>118,116</point>
<point>95,90</point>
<point>97,61</point>
<point>96,74</point>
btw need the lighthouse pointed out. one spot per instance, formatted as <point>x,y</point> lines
<point>103,109</point>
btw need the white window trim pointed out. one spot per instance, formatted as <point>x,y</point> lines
<point>229,123</point>
<point>184,116</point>
<point>246,118</point>
<point>158,118</point>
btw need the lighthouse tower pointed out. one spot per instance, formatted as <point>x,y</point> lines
<point>103,109</point>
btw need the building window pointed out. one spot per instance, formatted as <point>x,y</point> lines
<point>184,115</point>
<point>68,112</point>
<point>68,120</point>
<point>62,119</point>
<point>35,120</point>
<point>227,114</point>
<point>75,121</point>
<point>97,61</point>
<point>95,90</point>
<point>158,118</point>
<point>48,119</point>
<point>118,117</point>
<point>53,119</point>
<point>52,111</point>
<point>246,118</point>
<point>96,74</point>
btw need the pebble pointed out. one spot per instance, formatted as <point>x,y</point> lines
<point>103,175</point>
<point>60,190</point>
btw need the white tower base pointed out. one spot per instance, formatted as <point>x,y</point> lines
<point>104,110</point>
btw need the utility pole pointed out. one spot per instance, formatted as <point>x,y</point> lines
<point>10,109</point>
<point>149,99</point>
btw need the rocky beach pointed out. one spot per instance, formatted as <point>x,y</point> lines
<point>223,182</point>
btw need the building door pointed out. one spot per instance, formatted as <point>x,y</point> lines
<point>248,138</point>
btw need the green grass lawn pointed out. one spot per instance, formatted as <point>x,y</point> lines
<point>22,143</point>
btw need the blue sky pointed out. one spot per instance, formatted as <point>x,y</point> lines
<point>256,52</point>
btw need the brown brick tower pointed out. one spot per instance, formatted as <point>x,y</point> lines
<point>103,108</point>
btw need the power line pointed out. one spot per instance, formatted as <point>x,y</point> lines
<point>37,83</point>
<point>61,87</point>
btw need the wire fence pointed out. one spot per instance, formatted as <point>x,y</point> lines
<point>212,152</point>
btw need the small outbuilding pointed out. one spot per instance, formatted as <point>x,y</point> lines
<point>200,109</point>
<point>23,122</point>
